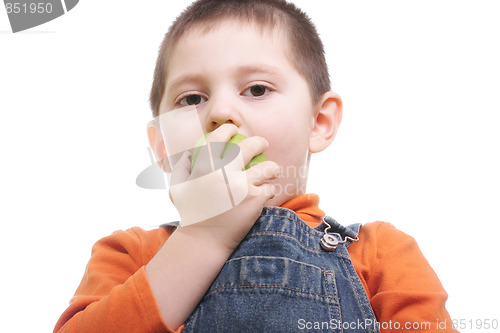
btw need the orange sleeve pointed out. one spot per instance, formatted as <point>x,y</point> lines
<point>114,294</point>
<point>400,284</point>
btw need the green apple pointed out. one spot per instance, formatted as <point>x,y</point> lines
<point>235,139</point>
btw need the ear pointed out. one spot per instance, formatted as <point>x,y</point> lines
<point>328,115</point>
<point>158,146</point>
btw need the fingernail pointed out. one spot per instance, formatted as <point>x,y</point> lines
<point>277,171</point>
<point>267,143</point>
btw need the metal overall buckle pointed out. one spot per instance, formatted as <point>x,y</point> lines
<point>329,242</point>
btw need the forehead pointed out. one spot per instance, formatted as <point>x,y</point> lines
<point>258,26</point>
<point>230,39</point>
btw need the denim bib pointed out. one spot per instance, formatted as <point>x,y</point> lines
<point>280,279</point>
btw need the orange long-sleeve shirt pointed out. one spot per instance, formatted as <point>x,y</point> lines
<point>115,296</point>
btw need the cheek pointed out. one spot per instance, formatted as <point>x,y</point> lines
<point>288,149</point>
<point>287,128</point>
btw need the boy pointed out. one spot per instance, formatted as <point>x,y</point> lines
<point>271,261</point>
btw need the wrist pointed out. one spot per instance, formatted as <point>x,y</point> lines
<point>206,237</point>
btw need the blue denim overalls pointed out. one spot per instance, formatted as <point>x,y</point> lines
<point>279,279</point>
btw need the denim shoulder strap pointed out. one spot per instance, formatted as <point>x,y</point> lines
<point>347,233</point>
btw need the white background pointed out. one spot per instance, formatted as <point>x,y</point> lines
<point>418,146</point>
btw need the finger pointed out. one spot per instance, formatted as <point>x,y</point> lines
<point>263,172</point>
<point>263,193</point>
<point>202,162</point>
<point>251,147</point>
<point>220,136</point>
<point>269,191</point>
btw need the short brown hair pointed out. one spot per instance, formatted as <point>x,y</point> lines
<point>307,51</point>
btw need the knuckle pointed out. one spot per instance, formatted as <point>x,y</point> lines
<point>253,191</point>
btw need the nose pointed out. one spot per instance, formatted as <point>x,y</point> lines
<point>222,109</point>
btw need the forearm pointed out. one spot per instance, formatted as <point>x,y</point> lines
<point>128,307</point>
<point>182,271</point>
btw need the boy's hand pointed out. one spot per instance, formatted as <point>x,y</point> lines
<point>231,223</point>
<point>189,261</point>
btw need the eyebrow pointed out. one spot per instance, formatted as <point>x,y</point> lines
<point>184,79</point>
<point>258,68</point>
<point>245,70</point>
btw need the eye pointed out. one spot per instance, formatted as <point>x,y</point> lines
<point>257,90</point>
<point>192,100</point>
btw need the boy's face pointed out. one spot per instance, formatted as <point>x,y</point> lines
<point>238,73</point>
